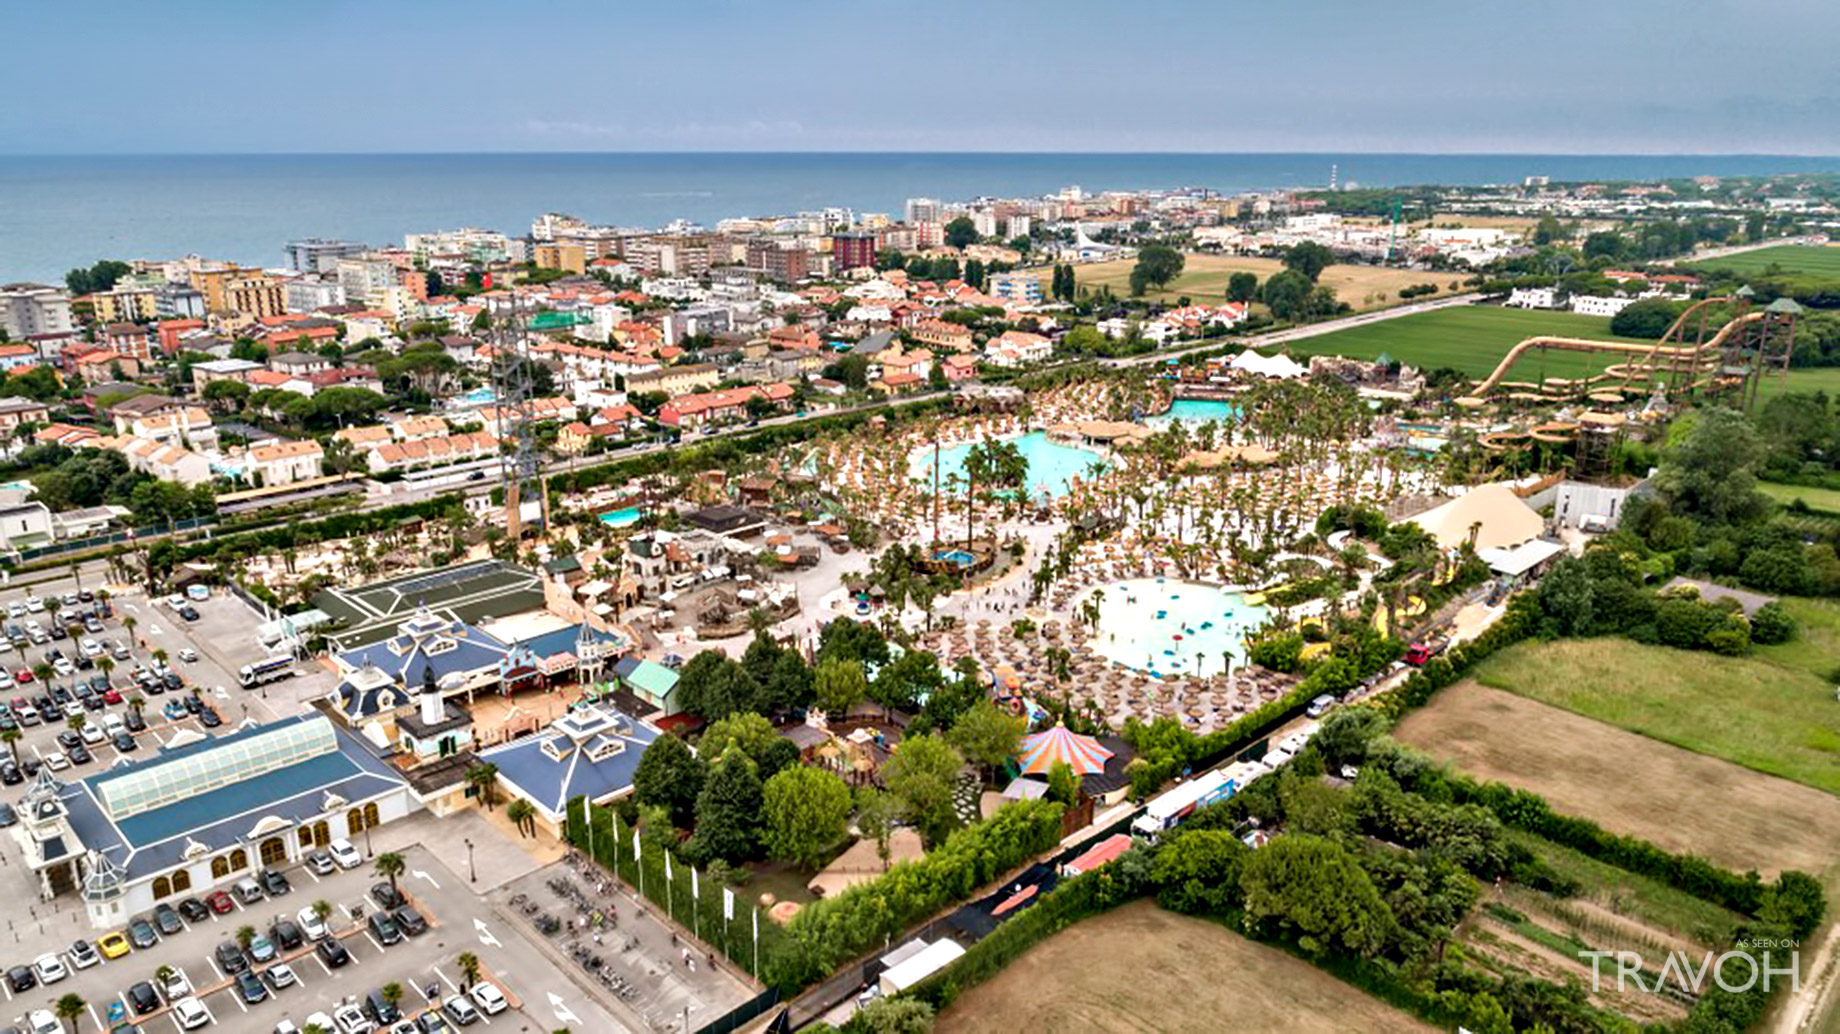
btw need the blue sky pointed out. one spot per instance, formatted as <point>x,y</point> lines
<point>1607,76</point>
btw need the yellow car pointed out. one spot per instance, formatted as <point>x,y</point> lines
<point>113,945</point>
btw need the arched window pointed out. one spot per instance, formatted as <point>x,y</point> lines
<point>306,836</point>
<point>239,860</point>
<point>181,881</point>
<point>371,818</point>
<point>274,851</point>
<point>354,822</point>
<point>220,867</point>
<point>162,887</point>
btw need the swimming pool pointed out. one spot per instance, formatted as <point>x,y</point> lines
<point>1163,626</point>
<point>622,518</point>
<point>1052,466</point>
<point>956,557</point>
<point>1196,411</point>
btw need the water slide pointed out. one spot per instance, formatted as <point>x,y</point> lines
<point>1701,359</point>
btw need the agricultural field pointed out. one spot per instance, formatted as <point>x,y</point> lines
<point>1141,968</point>
<point>1472,339</point>
<point>1789,258</point>
<point>1754,711</point>
<point>1630,783</point>
<point>1204,279</point>
<point>1805,379</point>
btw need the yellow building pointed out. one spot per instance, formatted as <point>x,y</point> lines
<point>125,305</point>
<point>570,257</point>
<point>213,282</point>
<point>257,296</point>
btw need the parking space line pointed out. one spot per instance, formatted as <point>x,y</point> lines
<point>93,1015</point>
<point>322,963</point>
<point>214,969</point>
<point>374,943</point>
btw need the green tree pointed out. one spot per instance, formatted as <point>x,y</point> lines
<point>1157,265</point>
<point>961,232</point>
<point>746,733</point>
<point>469,970</point>
<point>669,776</point>
<point>806,810</point>
<point>390,865</point>
<point>728,812</point>
<point>483,778</point>
<point>71,1006</point>
<point>921,775</point>
<point>1308,258</point>
<point>1198,871</point>
<point>1287,294</point>
<point>986,735</point>
<point>1063,785</point>
<point>1645,318</point>
<point>712,686</point>
<point>1707,468</point>
<point>1317,888</point>
<point>840,685</point>
<point>1242,287</point>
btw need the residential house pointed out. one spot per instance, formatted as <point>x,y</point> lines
<point>16,411</point>
<point>675,380</point>
<point>1016,348</point>
<point>165,462</point>
<point>17,356</point>
<point>960,367</point>
<point>284,463</point>
<point>186,426</point>
<point>432,452</point>
<point>129,339</point>
<point>499,420</point>
<point>105,364</point>
<point>943,335</point>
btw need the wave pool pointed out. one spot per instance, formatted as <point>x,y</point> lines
<point>1052,466</point>
<point>1163,626</point>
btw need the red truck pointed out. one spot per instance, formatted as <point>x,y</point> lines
<point>1419,653</point>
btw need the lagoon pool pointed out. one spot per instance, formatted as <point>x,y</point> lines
<point>1165,626</point>
<point>1196,411</point>
<point>622,518</point>
<point>1052,466</point>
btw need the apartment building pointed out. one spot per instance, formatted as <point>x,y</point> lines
<point>1021,288</point>
<point>317,255</point>
<point>256,296</point>
<point>284,463</point>
<point>366,281</point>
<point>852,250</point>
<point>29,310</point>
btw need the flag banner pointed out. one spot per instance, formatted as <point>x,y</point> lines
<point>696,891</point>
<point>728,904</point>
<point>637,851</point>
<point>668,874</point>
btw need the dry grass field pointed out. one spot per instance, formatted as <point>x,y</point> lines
<point>1629,783</point>
<point>1204,279</point>
<point>1140,968</point>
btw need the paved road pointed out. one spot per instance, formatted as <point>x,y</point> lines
<point>1310,330</point>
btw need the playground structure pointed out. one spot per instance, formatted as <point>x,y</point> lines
<point>1748,347</point>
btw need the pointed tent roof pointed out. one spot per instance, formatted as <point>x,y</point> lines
<point>1040,751</point>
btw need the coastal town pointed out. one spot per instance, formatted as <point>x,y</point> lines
<point>929,620</point>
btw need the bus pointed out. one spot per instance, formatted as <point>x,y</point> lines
<point>280,666</point>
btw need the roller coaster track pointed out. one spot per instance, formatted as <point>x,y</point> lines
<point>1701,360</point>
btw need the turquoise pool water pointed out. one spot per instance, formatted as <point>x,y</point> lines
<point>1052,466</point>
<point>1196,411</point>
<point>1164,626</point>
<point>622,518</point>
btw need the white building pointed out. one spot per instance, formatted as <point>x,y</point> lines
<point>1533,298</point>
<point>1023,288</point>
<point>1593,305</point>
<point>27,310</point>
<point>284,463</point>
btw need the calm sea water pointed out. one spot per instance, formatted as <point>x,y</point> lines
<point>59,212</point>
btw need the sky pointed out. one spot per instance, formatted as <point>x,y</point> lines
<point>1426,76</point>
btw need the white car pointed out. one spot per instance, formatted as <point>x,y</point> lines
<point>50,969</point>
<point>56,761</point>
<point>187,654</point>
<point>460,1009</point>
<point>176,600</point>
<point>281,975</point>
<point>91,734</point>
<point>6,681</point>
<point>40,1021</point>
<point>318,1019</point>
<point>350,1021</point>
<point>90,648</point>
<point>190,1013</point>
<point>489,998</point>
<point>176,988</point>
<point>311,927</point>
<point>63,667</point>
<point>34,605</point>
<point>344,854</point>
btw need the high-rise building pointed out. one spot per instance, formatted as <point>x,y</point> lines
<point>852,250</point>
<point>317,255</point>
<point>27,310</point>
<point>924,210</point>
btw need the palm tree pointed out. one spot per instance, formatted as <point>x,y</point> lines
<point>128,623</point>
<point>164,975</point>
<point>42,671</point>
<point>483,778</point>
<point>390,865</point>
<point>160,655</point>
<point>136,703</point>
<point>77,722</point>
<point>70,1007</point>
<point>105,664</point>
<point>392,993</point>
<point>11,737</point>
<point>244,935</point>
<point>321,909</point>
<point>522,813</point>
<point>469,970</point>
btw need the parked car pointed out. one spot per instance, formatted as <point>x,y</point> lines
<point>261,949</point>
<point>21,978</point>
<point>273,882</point>
<point>40,1021</point>
<point>141,932</point>
<point>489,998</point>
<point>220,902</point>
<point>410,920</point>
<point>383,927</point>
<point>189,612</point>
<point>385,894</point>
<point>187,654</point>
<point>194,910</point>
<point>319,863</point>
<point>250,988</point>
<point>350,1020</point>
<point>176,986</point>
<point>460,1009</point>
<point>280,975</point>
<point>143,998</point>
<point>209,718</point>
<point>113,944</point>
<point>344,854</point>
<point>8,817</point>
<point>332,953</point>
<point>248,891</point>
<point>125,743</point>
<point>190,1013</point>
<point>230,958</point>
<point>50,969</point>
<point>285,934</point>
<point>378,1008</point>
<point>83,954</point>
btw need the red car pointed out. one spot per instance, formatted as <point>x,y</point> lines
<point>113,696</point>
<point>220,902</point>
<point>23,675</point>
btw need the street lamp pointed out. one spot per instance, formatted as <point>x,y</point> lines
<point>472,875</point>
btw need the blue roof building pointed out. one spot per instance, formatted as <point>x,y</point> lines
<point>590,752</point>
<point>214,810</point>
<point>378,677</point>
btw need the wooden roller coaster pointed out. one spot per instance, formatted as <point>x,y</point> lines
<point>1749,346</point>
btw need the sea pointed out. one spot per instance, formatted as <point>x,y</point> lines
<point>60,212</point>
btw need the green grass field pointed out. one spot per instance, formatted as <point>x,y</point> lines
<point>1827,499</point>
<point>1803,379</point>
<point>1471,339</point>
<point>1790,258</point>
<point>1771,712</point>
<point>1648,900</point>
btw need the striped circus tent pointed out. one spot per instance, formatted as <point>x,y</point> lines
<point>1041,750</point>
